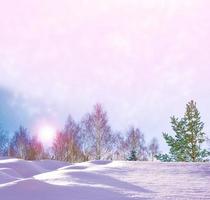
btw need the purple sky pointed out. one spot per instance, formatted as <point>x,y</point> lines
<point>143,60</point>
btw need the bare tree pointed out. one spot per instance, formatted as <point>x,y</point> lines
<point>153,148</point>
<point>135,142</point>
<point>24,146</point>
<point>119,148</point>
<point>96,134</point>
<point>19,144</point>
<point>87,139</point>
<point>35,149</point>
<point>59,146</point>
<point>71,132</point>
<point>67,143</point>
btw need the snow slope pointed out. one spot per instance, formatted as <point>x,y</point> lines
<point>102,180</point>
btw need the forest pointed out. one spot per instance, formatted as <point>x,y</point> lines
<point>93,139</point>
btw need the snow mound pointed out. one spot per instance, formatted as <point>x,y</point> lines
<point>7,175</point>
<point>100,162</point>
<point>50,164</point>
<point>102,180</point>
<point>23,168</point>
<point>15,169</point>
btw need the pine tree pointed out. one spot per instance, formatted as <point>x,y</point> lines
<point>133,155</point>
<point>4,140</point>
<point>189,136</point>
<point>164,157</point>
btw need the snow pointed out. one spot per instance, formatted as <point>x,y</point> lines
<point>102,180</point>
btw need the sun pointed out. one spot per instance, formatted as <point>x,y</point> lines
<point>46,134</point>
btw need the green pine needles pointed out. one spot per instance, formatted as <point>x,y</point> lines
<point>133,155</point>
<point>186,145</point>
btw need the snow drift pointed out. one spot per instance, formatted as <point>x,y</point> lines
<point>102,180</point>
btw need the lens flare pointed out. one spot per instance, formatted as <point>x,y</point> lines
<point>47,134</point>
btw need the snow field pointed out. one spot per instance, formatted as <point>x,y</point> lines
<point>102,180</point>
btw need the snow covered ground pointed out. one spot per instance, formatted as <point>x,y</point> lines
<point>102,180</point>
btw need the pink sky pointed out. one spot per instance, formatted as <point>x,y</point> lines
<point>144,60</point>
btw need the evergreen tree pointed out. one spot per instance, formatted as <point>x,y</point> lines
<point>164,157</point>
<point>189,136</point>
<point>133,156</point>
<point>4,140</point>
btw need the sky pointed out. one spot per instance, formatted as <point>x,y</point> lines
<point>142,59</point>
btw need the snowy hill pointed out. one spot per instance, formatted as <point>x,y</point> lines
<point>102,180</point>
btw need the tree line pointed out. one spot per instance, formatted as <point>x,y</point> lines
<point>93,139</point>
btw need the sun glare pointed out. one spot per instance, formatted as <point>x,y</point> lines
<point>47,134</point>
